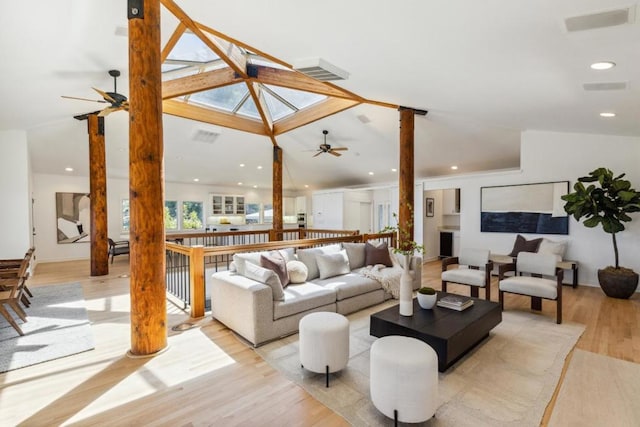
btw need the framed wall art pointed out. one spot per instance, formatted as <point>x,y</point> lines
<point>527,208</point>
<point>73,217</point>
<point>429,207</point>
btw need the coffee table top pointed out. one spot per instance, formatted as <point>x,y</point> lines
<point>438,322</point>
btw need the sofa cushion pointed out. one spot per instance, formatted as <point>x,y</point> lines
<point>551,247</point>
<point>356,254</point>
<point>276,262</point>
<point>349,285</point>
<point>377,254</point>
<point>330,265</point>
<point>523,245</point>
<point>266,276</point>
<point>297,271</point>
<point>308,256</point>
<point>467,276</point>
<point>302,297</point>
<point>527,285</point>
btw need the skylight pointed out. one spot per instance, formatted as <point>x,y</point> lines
<point>190,48</point>
<point>226,98</point>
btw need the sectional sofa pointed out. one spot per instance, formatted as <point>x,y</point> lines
<point>251,300</point>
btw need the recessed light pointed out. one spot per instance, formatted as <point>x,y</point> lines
<point>604,65</point>
<point>196,179</point>
<point>255,186</point>
<point>306,186</point>
<point>394,170</point>
<point>370,173</point>
<point>239,183</point>
<point>241,165</point>
<point>607,115</point>
<point>69,169</point>
<point>454,167</point>
<point>259,167</point>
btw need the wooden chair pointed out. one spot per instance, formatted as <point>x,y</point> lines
<point>530,280</point>
<point>120,247</point>
<point>11,292</point>
<point>469,272</point>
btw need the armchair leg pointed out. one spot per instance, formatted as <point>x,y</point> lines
<point>444,286</point>
<point>536,303</point>
<point>501,299</point>
<point>474,292</point>
<point>559,311</point>
<point>487,292</point>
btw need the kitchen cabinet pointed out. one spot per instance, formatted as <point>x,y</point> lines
<point>451,201</point>
<point>301,204</point>
<point>289,206</point>
<point>226,205</point>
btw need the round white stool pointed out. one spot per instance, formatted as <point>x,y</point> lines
<point>404,378</point>
<point>324,342</point>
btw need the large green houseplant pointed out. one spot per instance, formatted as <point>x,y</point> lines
<point>607,200</point>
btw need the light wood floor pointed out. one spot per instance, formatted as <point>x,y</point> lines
<point>208,376</point>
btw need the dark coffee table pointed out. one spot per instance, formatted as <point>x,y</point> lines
<point>451,333</point>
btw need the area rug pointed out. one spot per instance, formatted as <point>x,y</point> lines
<point>57,326</point>
<point>608,395</point>
<point>507,380</point>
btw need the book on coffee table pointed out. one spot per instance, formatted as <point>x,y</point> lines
<point>455,302</point>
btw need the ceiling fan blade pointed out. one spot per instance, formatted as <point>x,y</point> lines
<point>84,99</point>
<point>340,149</point>
<point>106,96</point>
<point>334,153</point>
<point>108,111</point>
<point>317,154</point>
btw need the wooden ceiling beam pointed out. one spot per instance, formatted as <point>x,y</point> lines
<point>257,94</point>
<point>226,53</point>
<point>173,40</point>
<point>215,117</point>
<point>199,82</point>
<point>298,81</point>
<point>315,112</point>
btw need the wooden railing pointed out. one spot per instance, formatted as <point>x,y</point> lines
<point>186,265</point>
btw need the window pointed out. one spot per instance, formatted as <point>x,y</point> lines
<point>125,214</point>
<point>268,214</point>
<point>253,213</point>
<point>192,218</point>
<point>170,215</point>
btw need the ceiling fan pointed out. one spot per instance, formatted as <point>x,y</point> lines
<point>326,148</point>
<point>116,100</point>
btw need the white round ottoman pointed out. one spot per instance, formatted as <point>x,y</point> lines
<point>324,342</point>
<point>404,378</point>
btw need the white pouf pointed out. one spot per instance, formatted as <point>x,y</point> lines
<point>324,342</point>
<point>404,378</point>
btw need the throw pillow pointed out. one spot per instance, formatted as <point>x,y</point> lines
<point>308,256</point>
<point>356,254</point>
<point>242,259</point>
<point>297,272</point>
<point>266,276</point>
<point>550,247</point>
<point>278,264</point>
<point>377,254</point>
<point>331,265</point>
<point>523,245</point>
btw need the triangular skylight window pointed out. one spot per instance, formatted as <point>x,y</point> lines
<point>190,48</point>
<point>249,109</point>
<point>297,98</point>
<point>226,98</point>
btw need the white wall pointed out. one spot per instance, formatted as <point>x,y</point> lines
<point>554,156</point>
<point>15,214</point>
<point>44,189</point>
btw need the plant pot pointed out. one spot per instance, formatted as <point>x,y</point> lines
<point>427,301</point>
<point>618,283</point>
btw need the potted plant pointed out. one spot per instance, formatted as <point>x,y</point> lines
<point>607,202</point>
<point>427,297</point>
<point>407,247</point>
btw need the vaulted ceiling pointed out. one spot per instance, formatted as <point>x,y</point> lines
<point>484,70</point>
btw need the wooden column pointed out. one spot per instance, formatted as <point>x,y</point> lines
<point>277,191</point>
<point>406,174</point>
<point>98,195</point>
<point>146,181</point>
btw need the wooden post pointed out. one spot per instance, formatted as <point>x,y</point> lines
<point>277,191</point>
<point>98,195</point>
<point>196,281</point>
<point>146,181</point>
<point>406,175</point>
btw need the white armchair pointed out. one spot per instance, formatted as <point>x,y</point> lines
<point>530,278</point>
<point>471,263</point>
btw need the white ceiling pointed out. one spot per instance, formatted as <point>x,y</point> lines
<point>484,70</point>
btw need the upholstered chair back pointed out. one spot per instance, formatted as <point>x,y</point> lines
<point>471,256</point>
<point>530,262</point>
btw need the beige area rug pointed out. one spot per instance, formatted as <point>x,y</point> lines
<point>609,395</point>
<point>507,380</point>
